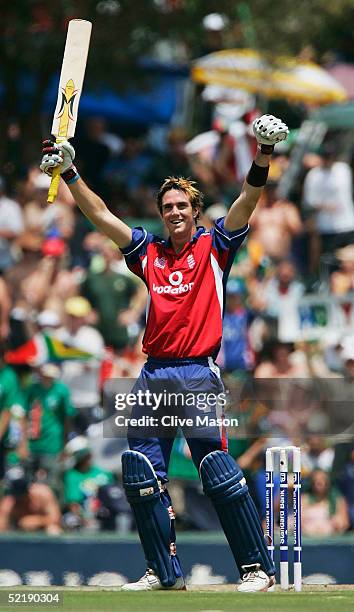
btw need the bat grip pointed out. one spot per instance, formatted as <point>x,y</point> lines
<point>54,185</point>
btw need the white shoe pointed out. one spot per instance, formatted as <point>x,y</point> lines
<point>254,579</point>
<point>151,582</point>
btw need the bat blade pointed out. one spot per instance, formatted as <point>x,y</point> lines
<point>70,87</point>
<point>71,78</point>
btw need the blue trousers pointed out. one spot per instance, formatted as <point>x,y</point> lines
<point>189,377</point>
<point>197,377</point>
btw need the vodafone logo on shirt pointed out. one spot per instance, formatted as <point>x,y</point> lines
<point>176,278</point>
<point>176,285</point>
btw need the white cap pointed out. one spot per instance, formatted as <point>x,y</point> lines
<point>76,445</point>
<point>215,22</point>
<point>50,370</point>
<point>48,318</point>
<point>202,142</point>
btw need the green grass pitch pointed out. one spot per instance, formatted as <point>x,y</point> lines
<point>211,600</point>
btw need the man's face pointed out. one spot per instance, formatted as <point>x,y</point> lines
<point>74,323</point>
<point>178,214</point>
<point>286,273</point>
<point>46,381</point>
<point>233,301</point>
<point>328,161</point>
<point>281,354</point>
<point>109,253</point>
<point>320,482</point>
<point>41,196</point>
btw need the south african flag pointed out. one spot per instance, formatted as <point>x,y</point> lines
<point>42,348</point>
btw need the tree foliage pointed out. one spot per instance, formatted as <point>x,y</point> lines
<point>32,37</point>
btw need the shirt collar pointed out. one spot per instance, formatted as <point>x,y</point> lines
<point>200,230</point>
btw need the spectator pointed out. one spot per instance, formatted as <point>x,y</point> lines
<point>342,280</point>
<point>276,298</point>
<point>40,219</point>
<point>274,224</point>
<point>282,363</point>
<point>283,291</point>
<point>81,484</point>
<point>337,395</point>
<point>98,132</point>
<point>13,154</point>
<point>10,400</point>
<point>113,510</point>
<point>173,161</point>
<point>82,377</point>
<point>324,510</point>
<point>28,507</point>
<point>5,306</point>
<point>11,226</point>
<point>129,167</point>
<point>48,321</point>
<point>214,26</point>
<point>235,350</point>
<point>49,413</point>
<point>345,483</point>
<point>38,285</point>
<point>116,297</point>
<point>82,228</point>
<point>317,454</point>
<point>212,213</point>
<point>327,194</point>
<point>93,152</point>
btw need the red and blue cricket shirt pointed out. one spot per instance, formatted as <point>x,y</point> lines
<point>186,290</point>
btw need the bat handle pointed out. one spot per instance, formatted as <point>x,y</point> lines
<point>54,185</point>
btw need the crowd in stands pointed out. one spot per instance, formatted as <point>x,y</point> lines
<point>72,316</point>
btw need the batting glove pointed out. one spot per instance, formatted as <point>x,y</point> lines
<point>269,130</point>
<point>57,154</point>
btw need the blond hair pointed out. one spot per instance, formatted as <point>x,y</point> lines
<point>179,183</point>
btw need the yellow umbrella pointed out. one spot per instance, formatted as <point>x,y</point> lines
<point>286,78</point>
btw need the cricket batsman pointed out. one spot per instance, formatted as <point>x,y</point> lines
<point>186,277</point>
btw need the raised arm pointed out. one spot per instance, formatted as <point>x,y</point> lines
<point>268,130</point>
<point>89,202</point>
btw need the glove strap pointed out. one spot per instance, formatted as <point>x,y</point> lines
<point>70,176</point>
<point>266,149</point>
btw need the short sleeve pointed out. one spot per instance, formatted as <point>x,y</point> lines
<point>135,252</point>
<point>223,239</point>
<point>225,243</point>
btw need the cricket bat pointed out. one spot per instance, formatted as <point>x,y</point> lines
<point>70,87</point>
